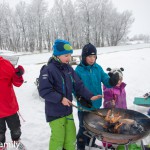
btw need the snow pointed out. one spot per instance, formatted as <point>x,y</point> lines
<point>6,52</point>
<point>35,131</point>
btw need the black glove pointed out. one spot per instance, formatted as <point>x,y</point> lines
<point>84,102</point>
<point>146,95</point>
<point>114,78</point>
<point>19,71</point>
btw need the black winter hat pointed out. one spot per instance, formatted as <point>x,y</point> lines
<point>87,50</point>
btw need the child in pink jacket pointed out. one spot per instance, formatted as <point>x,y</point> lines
<point>116,96</point>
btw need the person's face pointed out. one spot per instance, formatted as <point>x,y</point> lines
<point>90,60</point>
<point>119,82</point>
<point>65,58</point>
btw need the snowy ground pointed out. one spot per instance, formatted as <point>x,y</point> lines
<point>35,130</point>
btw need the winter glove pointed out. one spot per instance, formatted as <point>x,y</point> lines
<point>147,95</point>
<point>19,71</point>
<point>84,102</point>
<point>114,78</point>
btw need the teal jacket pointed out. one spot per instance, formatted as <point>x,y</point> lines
<point>92,77</point>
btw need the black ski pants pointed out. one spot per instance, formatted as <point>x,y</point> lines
<point>13,124</point>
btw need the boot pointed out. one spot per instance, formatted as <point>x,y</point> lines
<point>19,145</point>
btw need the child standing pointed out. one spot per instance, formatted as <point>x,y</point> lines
<point>57,81</point>
<point>9,76</point>
<point>92,76</point>
<point>116,96</point>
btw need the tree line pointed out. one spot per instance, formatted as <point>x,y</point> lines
<point>35,26</point>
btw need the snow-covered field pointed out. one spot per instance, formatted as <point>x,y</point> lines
<point>35,130</point>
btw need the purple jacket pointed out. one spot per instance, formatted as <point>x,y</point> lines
<point>116,93</point>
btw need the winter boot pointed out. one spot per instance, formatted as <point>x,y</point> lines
<point>19,145</point>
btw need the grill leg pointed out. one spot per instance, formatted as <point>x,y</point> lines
<point>106,146</point>
<point>90,144</point>
<point>126,147</point>
<point>142,145</point>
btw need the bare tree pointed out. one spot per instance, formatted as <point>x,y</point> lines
<point>119,27</point>
<point>84,7</point>
<point>21,24</point>
<point>32,27</point>
<point>39,9</point>
<point>7,28</point>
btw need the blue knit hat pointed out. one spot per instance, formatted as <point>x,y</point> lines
<point>62,47</point>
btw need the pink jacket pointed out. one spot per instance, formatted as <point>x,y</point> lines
<point>116,93</point>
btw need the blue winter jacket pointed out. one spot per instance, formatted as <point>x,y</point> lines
<point>58,80</point>
<point>92,77</point>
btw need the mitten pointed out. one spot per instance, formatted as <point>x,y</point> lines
<point>114,78</point>
<point>19,71</point>
<point>84,102</point>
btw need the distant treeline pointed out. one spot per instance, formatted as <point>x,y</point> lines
<point>34,26</point>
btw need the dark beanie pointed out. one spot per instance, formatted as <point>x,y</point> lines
<point>87,50</point>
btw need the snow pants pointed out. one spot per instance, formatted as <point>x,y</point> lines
<point>13,124</point>
<point>63,134</point>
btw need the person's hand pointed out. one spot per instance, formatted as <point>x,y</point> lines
<point>96,97</point>
<point>66,102</point>
<point>114,78</point>
<point>113,103</point>
<point>146,95</point>
<point>19,70</point>
<point>84,102</point>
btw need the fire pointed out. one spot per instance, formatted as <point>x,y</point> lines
<point>112,120</point>
<point>114,123</point>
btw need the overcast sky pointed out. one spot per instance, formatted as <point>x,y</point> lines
<point>141,13</point>
<point>139,8</point>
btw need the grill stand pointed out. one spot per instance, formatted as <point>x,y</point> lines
<point>92,136</point>
<point>142,145</point>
